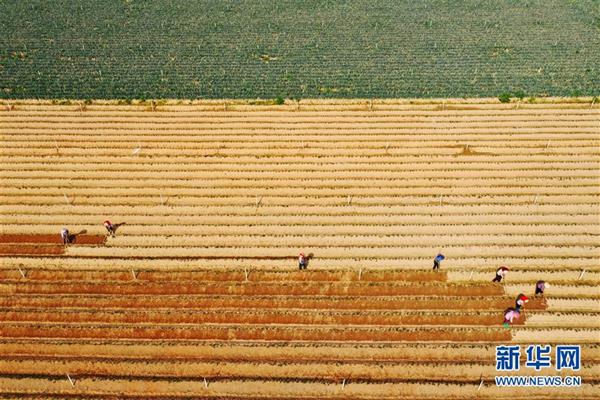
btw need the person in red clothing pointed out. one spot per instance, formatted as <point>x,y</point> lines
<point>302,261</point>
<point>109,227</point>
<point>521,300</point>
<point>500,273</point>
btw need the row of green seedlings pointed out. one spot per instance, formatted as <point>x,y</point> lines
<point>506,97</point>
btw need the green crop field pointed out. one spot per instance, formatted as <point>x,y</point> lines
<point>298,49</point>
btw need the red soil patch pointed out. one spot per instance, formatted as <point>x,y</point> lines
<point>30,249</point>
<point>261,288</point>
<point>51,239</point>
<point>266,302</point>
<point>272,333</point>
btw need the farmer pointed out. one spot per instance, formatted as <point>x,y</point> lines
<point>64,235</point>
<point>500,273</point>
<point>510,314</point>
<point>302,261</point>
<point>437,260</point>
<point>521,300</point>
<point>109,227</point>
<point>540,286</point>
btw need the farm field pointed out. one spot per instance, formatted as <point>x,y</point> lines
<point>128,49</point>
<point>199,294</point>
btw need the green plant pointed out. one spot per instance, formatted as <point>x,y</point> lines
<point>279,100</point>
<point>504,97</point>
<point>320,63</point>
<point>519,94</point>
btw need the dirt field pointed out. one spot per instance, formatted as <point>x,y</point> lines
<point>199,294</point>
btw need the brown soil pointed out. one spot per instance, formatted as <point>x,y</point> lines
<point>257,332</point>
<point>50,239</point>
<point>30,249</point>
<point>262,288</point>
<point>232,275</point>
<point>266,302</point>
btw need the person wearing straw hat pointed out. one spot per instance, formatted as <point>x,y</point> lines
<point>500,273</point>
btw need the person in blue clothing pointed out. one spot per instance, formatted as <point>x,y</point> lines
<point>437,260</point>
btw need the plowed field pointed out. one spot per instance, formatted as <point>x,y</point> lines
<point>199,295</point>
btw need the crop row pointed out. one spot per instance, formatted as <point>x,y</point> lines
<point>523,275</point>
<point>121,201</point>
<point>391,145</point>
<point>227,127</point>
<point>461,266</point>
<point>22,110</point>
<point>310,192</point>
<point>303,159</point>
<point>125,200</point>
<point>360,166</point>
<point>234,332</point>
<point>234,275</point>
<point>54,387</point>
<point>253,332</point>
<point>271,302</point>
<point>253,288</point>
<point>256,351</point>
<point>306,210</point>
<point>401,372</point>
<point>406,229</point>
<point>311,107</point>
<point>304,153</point>
<point>226,252</point>
<point>281,316</point>
<point>304,175</point>
<point>312,241</point>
